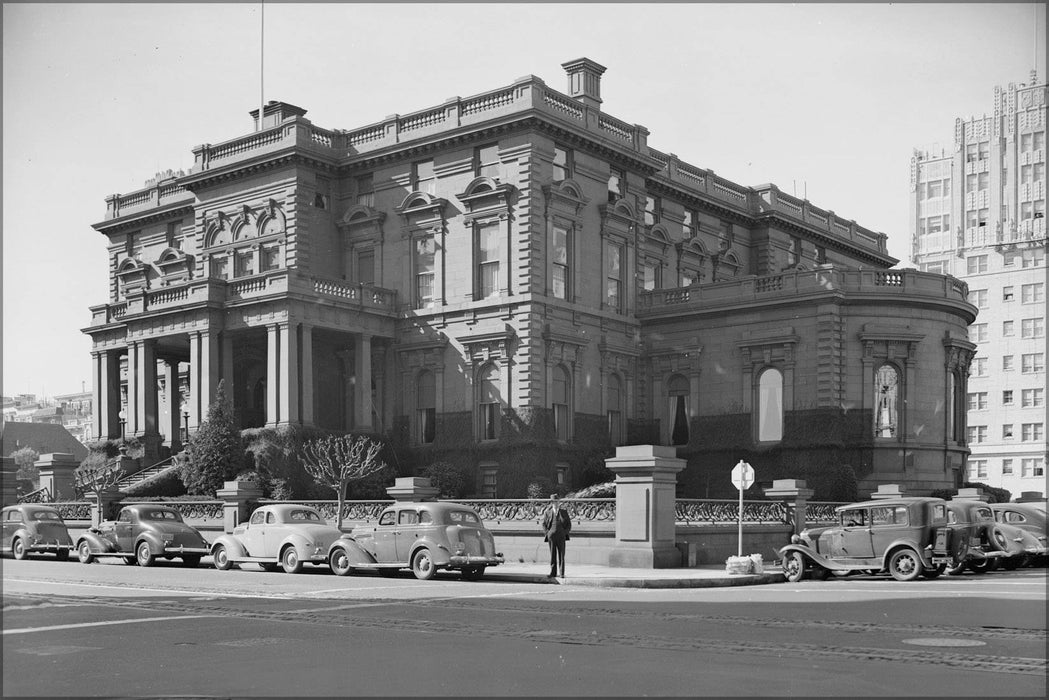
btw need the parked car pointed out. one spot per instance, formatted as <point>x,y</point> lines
<point>988,541</point>
<point>141,533</point>
<point>424,537</point>
<point>32,527</point>
<point>1030,518</point>
<point>281,534</point>
<point>907,536</point>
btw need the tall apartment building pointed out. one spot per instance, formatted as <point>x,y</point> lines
<point>978,213</point>
<point>517,282</point>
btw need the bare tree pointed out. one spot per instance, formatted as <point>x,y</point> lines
<point>335,461</point>
<point>97,474</point>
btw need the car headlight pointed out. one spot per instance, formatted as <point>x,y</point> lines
<point>795,539</point>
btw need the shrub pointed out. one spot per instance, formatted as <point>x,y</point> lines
<point>166,483</point>
<point>540,488</point>
<point>449,479</point>
<point>215,453</point>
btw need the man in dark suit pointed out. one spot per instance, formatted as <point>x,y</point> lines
<point>556,524</point>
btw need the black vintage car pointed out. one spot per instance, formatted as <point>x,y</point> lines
<point>141,533</point>
<point>32,527</point>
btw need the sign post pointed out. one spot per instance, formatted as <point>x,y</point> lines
<point>742,478</point>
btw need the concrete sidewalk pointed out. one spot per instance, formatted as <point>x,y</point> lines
<point>610,577</point>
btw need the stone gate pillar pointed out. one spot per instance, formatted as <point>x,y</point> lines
<point>239,498</point>
<point>56,474</point>
<point>795,497</point>
<point>646,481</point>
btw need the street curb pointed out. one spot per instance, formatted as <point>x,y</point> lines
<point>612,582</point>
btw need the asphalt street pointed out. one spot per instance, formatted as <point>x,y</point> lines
<point>109,629</point>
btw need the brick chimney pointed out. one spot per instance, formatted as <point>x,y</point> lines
<point>584,81</point>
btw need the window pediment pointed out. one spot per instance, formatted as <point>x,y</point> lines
<point>566,196</point>
<point>175,265</point>
<point>362,221</point>
<point>484,194</point>
<point>421,203</point>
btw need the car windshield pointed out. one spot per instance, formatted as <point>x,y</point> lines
<point>302,515</point>
<point>48,515</point>
<point>984,514</point>
<point>161,515</point>
<point>463,516</point>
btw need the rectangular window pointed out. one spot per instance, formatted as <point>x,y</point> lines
<point>934,189</point>
<point>650,270</point>
<point>270,258</point>
<point>1007,431</point>
<point>489,420</point>
<point>489,482</point>
<point>976,264</point>
<point>1007,397</point>
<point>1008,329</point>
<point>979,468</point>
<point>980,367</point>
<point>613,276</point>
<point>1032,258</point>
<point>653,205</point>
<point>423,178</point>
<point>1007,363</point>
<point>1032,467</point>
<point>1032,328</point>
<point>488,255</point>
<point>427,425</point>
<point>977,400</point>
<point>977,434</point>
<point>1032,293</point>
<point>486,161</point>
<point>366,267</point>
<point>1032,398</point>
<point>616,185</point>
<point>691,223</point>
<point>1032,363</point>
<point>220,267</point>
<point>978,332</point>
<point>1031,432</point>
<point>563,164</point>
<point>727,233</point>
<point>365,191</point>
<point>243,263</point>
<point>1007,467</point>
<point>424,267</point>
<point>559,249</point>
<point>985,150</point>
<point>1007,293</point>
<point>978,297</point>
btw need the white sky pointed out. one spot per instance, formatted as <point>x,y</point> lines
<point>98,98</point>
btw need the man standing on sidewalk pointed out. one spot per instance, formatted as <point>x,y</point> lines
<point>557,524</point>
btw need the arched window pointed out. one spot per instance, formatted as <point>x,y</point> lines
<point>488,403</point>
<point>677,414</point>
<point>770,405</point>
<point>426,406</point>
<point>957,426</point>
<point>613,409</point>
<point>886,392</point>
<point>560,392</point>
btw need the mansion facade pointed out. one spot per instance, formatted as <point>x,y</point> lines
<point>517,282</point>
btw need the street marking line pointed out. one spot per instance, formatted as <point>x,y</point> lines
<point>26,630</point>
<point>189,591</point>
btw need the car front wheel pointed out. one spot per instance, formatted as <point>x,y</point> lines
<point>221,558</point>
<point>794,566</point>
<point>982,566</point>
<point>934,572</point>
<point>340,563</point>
<point>83,553</point>
<point>144,555</point>
<point>19,549</point>
<point>289,560</point>
<point>905,565</point>
<point>423,566</point>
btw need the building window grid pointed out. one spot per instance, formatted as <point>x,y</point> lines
<point>1032,328</point>
<point>614,276</point>
<point>560,250</point>
<point>1032,398</point>
<point>616,185</point>
<point>1007,467</point>
<point>977,434</point>
<point>1008,329</point>
<point>976,264</point>
<point>423,177</point>
<point>1032,432</point>
<point>1007,397</point>
<point>653,208</point>
<point>978,332</point>
<point>488,255</point>
<point>1007,431</point>
<point>1007,363</point>
<point>979,367</point>
<point>486,161</point>
<point>1032,467</point>
<point>1032,293</point>
<point>424,271</point>
<point>978,297</point>
<point>563,164</point>
<point>977,400</point>
<point>1032,363</point>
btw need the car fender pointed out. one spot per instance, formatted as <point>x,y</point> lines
<point>96,542</point>
<point>156,544</point>
<point>22,532</point>
<point>234,549</point>
<point>357,554</point>
<point>438,552</point>
<point>909,544</point>
<point>809,554</point>
<point>1015,538</point>
<point>296,540</point>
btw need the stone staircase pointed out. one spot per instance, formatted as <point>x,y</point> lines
<point>149,472</point>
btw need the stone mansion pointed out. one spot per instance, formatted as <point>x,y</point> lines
<point>517,282</point>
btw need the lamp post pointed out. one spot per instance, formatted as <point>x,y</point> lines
<point>185,430</point>
<point>123,422</point>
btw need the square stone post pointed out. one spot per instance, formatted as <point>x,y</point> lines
<point>101,504</point>
<point>8,482</point>
<point>56,474</point>
<point>412,488</point>
<point>646,481</point>
<point>889,491</point>
<point>970,494</point>
<point>239,498</point>
<point>795,496</point>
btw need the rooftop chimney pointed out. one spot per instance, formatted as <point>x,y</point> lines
<point>275,113</point>
<point>584,81</point>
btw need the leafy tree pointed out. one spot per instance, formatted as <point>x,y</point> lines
<point>214,453</point>
<point>447,478</point>
<point>26,458</point>
<point>335,461</point>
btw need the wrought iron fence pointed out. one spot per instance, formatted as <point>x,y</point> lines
<point>73,510</point>
<point>189,510</point>
<point>361,511</point>
<point>582,510</point>
<point>700,511</point>
<point>39,496</point>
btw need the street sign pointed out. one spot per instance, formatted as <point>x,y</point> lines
<point>742,475</point>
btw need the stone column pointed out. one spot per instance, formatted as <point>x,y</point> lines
<point>362,389</point>
<point>8,481</point>
<point>171,396</point>
<point>147,389</point>
<point>307,380</point>
<point>56,474</point>
<point>646,480</point>
<point>272,369</point>
<point>98,394</point>
<point>795,496</point>
<point>239,498</point>
<point>210,370</point>
<point>288,370</point>
<point>102,505</point>
<point>133,381</point>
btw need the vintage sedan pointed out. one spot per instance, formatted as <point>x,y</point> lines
<point>142,533</point>
<point>987,540</point>
<point>32,527</point>
<point>1030,518</point>
<point>908,536</point>
<point>422,536</point>
<point>281,534</point>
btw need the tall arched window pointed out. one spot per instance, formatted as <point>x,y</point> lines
<point>886,392</point>
<point>560,391</point>
<point>770,405</point>
<point>613,409</point>
<point>426,406</point>
<point>957,415</point>
<point>677,409</point>
<point>488,403</point>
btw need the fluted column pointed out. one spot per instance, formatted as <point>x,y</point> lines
<point>362,395</point>
<point>133,381</point>
<point>272,377</point>
<point>288,370</point>
<point>171,396</point>
<point>307,374</point>
<point>146,409</point>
